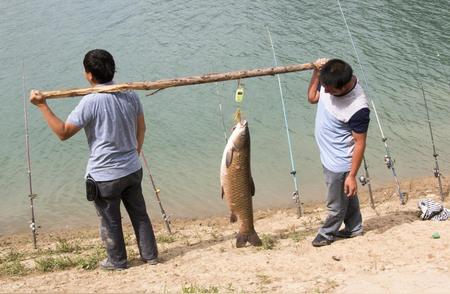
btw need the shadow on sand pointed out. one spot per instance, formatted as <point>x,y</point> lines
<point>380,224</point>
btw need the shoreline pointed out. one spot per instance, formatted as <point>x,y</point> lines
<point>396,253</point>
<point>156,217</point>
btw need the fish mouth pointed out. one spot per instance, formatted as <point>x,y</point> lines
<point>244,123</point>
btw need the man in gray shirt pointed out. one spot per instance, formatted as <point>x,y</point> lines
<point>114,125</point>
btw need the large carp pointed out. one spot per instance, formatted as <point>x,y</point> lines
<point>237,183</point>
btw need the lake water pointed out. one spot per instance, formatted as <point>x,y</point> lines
<point>153,40</point>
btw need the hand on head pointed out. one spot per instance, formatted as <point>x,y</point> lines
<point>320,62</point>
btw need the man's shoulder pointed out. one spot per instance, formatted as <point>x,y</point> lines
<point>101,96</point>
<point>91,97</point>
<point>359,121</point>
<point>358,91</point>
<point>363,113</point>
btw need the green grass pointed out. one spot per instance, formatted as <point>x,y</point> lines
<point>61,254</point>
<point>64,246</point>
<point>165,238</point>
<point>10,264</point>
<point>86,262</point>
<point>129,239</point>
<point>264,279</point>
<point>11,256</point>
<point>13,268</point>
<point>90,262</point>
<point>189,288</point>
<point>230,287</point>
<point>50,264</point>
<point>66,255</point>
<point>268,242</point>
<point>295,235</point>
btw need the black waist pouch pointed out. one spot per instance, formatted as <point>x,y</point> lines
<point>92,192</point>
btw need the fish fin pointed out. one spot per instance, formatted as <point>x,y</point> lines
<point>233,218</point>
<point>223,193</point>
<point>241,240</point>
<point>252,186</point>
<point>254,239</point>
<point>229,157</point>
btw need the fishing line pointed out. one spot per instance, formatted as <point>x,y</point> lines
<point>387,157</point>
<point>442,67</point>
<point>293,172</point>
<point>436,171</point>
<point>31,195</point>
<point>157,190</point>
<point>221,113</point>
<point>154,92</point>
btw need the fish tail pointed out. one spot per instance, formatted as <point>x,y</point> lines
<point>252,238</point>
<point>241,240</point>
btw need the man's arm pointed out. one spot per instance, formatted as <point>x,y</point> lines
<point>313,94</point>
<point>63,130</point>
<point>350,185</point>
<point>140,133</point>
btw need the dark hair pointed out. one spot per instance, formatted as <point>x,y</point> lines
<point>100,64</point>
<point>335,73</point>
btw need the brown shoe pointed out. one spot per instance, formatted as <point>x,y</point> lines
<point>105,264</point>
<point>153,261</point>
<point>347,234</point>
<point>320,241</point>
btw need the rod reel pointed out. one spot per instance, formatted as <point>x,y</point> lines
<point>363,180</point>
<point>437,173</point>
<point>296,198</point>
<point>388,161</point>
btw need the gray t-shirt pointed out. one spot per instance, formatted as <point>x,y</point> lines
<point>110,123</point>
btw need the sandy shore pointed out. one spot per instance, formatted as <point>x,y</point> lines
<point>397,254</point>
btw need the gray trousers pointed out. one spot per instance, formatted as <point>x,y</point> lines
<point>128,190</point>
<point>341,209</point>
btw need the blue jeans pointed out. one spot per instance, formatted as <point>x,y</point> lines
<point>129,191</point>
<point>341,209</point>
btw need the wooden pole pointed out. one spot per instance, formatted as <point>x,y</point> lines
<point>177,82</point>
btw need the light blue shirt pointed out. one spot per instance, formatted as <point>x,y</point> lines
<point>332,130</point>
<point>110,123</point>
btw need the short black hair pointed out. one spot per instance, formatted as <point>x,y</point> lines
<point>100,64</point>
<point>335,73</point>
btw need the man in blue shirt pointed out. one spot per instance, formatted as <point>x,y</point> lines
<point>342,120</point>
<point>115,127</point>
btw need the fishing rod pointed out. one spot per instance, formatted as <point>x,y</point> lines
<point>31,195</point>
<point>295,194</point>
<point>387,157</point>
<point>436,171</point>
<point>365,180</point>
<point>163,212</point>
